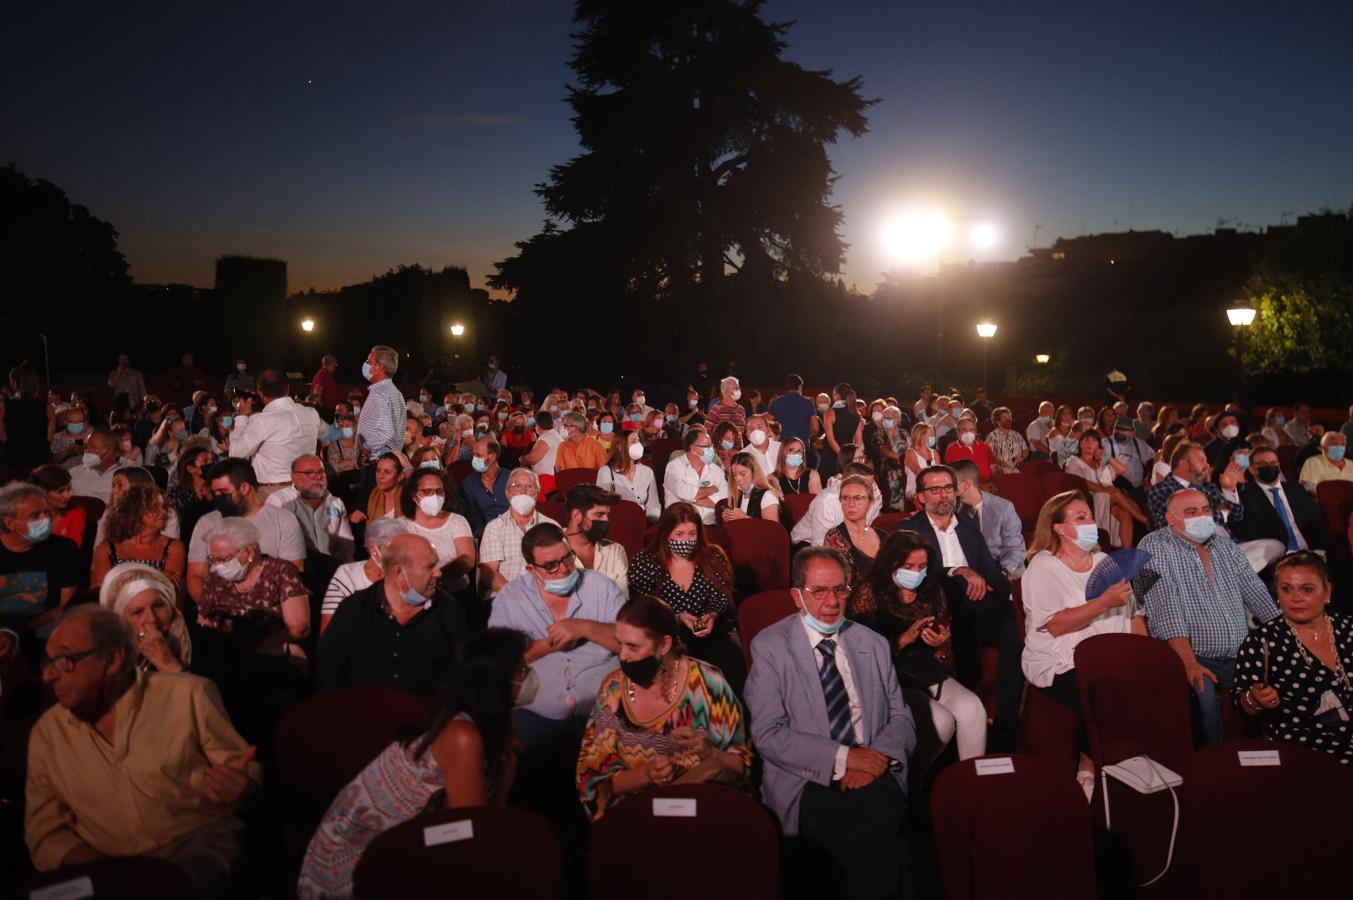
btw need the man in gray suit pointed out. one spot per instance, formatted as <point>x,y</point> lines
<point>996,516</point>
<point>830,723</point>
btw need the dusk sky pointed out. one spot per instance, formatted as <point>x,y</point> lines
<point>347,138</point>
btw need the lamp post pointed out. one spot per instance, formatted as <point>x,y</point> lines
<point>308,327</point>
<point>986,331</point>
<point>457,331</point>
<point>1042,359</point>
<point>1241,316</point>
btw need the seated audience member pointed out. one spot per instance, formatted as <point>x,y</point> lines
<point>190,496</point>
<point>1299,426</point>
<point>727,443</point>
<point>624,475</point>
<point>383,499</point>
<point>1327,465</point>
<point>761,445</point>
<point>1276,510</point>
<point>352,577</point>
<point>995,516</point>
<point>1008,446</point>
<point>68,519</point>
<point>854,538</point>
<point>662,718</point>
<point>39,571</point>
<point>128,454</point>
<point>134,533</point>
<point>1198,602</point>
<point>578,451</point>
<point>837,781</point>
<point>1274,430</point>
<point>69,430</point>
<point>921,454</point>
<point>793,473</point>
<point>236,491</point>
<point>1160,470</point>
<point>825,513</point>
<point>485,490</point>
<point>909,609</point>
<point>500,558</point>
<point>400,632</point>
<point>341,455</point>
<point>1292,671</point>
<point>544,450</point>
<point>1039,430</point>
<point>969,446</point>
<point>696,477</point>
<point>682,568</point>
<point>93,477</point>
<point>459,755</point>
<point>432,507</point>
<point>977,591</point>
<point>256,597</point>
<point>1115,511</point>
<point>322,517</point>
<point>1189,469</point>
<point>1134,454</point>
<point>1057,614</point>
<point>181,768</point>
<point>1229,439</point>
<point>1064,437</point>
<point>123,478</point>
<point>750,495</point>
<point>587,521</point>
<point>568,614</point>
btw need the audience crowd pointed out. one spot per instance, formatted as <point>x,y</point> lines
<point>552,575</point>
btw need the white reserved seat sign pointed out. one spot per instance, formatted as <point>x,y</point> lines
<point>75,889</point>
<point>674,806</point>
<point>448,833</point>
<point>1001,765</point>
<point>1259,757</point>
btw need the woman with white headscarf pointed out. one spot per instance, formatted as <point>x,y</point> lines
<point>146,599</point>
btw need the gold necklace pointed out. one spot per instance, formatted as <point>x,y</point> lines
<point>666,687</point>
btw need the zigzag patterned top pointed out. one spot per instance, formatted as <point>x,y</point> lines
<point>614,742</point>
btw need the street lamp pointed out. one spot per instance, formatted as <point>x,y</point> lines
<point>1042,359</point>
<point>457,330</point>
<point>986,331</point>
<point>307,326</point>
<point>1241,316</point>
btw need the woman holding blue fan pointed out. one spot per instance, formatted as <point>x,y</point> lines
<point>1072,591</point>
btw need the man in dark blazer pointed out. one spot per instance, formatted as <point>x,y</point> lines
<point>1290,516</point>
<point>978,595</point>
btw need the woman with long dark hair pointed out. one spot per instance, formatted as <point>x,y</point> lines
<point>459,755</point>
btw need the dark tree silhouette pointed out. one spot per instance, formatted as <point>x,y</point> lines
<point>704,180</point>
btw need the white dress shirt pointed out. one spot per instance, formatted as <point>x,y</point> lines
<point>842,666</point>
<point>766,459</point>
<point>273,438</point>
<point>90,482</point>
<point>640,487</point>
<point>681,483</point>
<point>951,551</point>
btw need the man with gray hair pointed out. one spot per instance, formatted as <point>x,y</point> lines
<point>500,556</point>
<point>728,409</point>
<point>133,764</point>
<point>381,423</point>
<point>578,451</point>
<point>39,571</point>
<point>352,577</point>
<point>323,518</point>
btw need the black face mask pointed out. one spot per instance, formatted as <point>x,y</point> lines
<point>641,671</point>
<point>597,531</point>
<point>1268,474</point>
<point>228,507</point>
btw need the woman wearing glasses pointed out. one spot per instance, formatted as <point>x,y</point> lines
<point>855,538</point>
<point>433,508</point>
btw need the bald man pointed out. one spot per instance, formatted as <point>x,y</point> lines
<point>1196,590</point>
<point>93,477</point>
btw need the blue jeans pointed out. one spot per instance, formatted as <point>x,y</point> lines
<point>1209,699</point>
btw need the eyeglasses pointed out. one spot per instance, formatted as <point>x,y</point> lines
<point>854,498</point>
<point>840,592</point>
<point>66,662</point>
<point>310,473</point>
<point>549,568</point>
<point>217,560</point>
<point>429,492</point>
<point>937,491</point>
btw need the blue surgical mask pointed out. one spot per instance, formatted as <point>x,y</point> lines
<point>412,597</point>
<point>347,433</point>
<point>906,578</point>
<point>607,427</point>
<point>480,464</point>
<point>530,421</point>
<point>822,627</point>
<point>727,445</point>
<point>1336,452</point>
<point>839,404</point>
<point>1243,460</point>
<point>670,417</point>
<point>75,427</point>
<point>930,442</point>
<point>1087,536</point>
<point>479,407</point>
<point>636,417</point>
<point>793,460</point>
<point>1280,421</point>
<point>1200,528</point>
<point>227,421</point>
<point>562,587</point>
<point>366,370</point>
<point>39,530</point>
<point>707,455</point>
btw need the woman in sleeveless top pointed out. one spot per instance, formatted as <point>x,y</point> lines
<point>920,455</point>
<point>792,472</point>
<point>843,425</point>
<point>135,523</point>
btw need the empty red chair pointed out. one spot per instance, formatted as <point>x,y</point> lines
<point>566,479</point>
<point>460,470</point>
<point>797,505</point>
<point>1036,467</point>
<point>553,509</point>
<point>628,524</point>
<point>759,551</point>
<point>993,831</point>
<point>660,451</point>
<point>143,877</point>
<point>1336,502</point>
<point>1025,490</point>
<point>93,507</point>
<point>888,522</point>
<point>620,861</point>
<point>1287,460</point>
<point>1299,806</point>
<point>761,611</point>
<point>481,851</point>
<point>1056,482</point>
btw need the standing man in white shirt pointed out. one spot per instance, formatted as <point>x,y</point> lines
<point>381,423</point>
<point>273,438</point>
<point>695,477</point>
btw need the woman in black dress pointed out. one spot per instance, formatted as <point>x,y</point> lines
<point>843,426</point>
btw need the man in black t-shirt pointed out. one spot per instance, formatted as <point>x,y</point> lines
<point>39,571</point>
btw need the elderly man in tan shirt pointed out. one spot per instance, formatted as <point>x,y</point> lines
<point>130,764</point>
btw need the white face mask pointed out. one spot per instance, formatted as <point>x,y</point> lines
<point>522,504</point>
<point>968,437</point>
<point>641,400</point>
<point>736,395</point>
<point>636,451</point>
<point>1230,431</point>
<point>231,570</point>
<point>876,416</point>
<point>431,505</point>
<point>757,437</point>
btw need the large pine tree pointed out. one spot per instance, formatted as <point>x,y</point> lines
<point>703,187</point>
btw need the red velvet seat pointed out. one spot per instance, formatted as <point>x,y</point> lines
<point>1025,491</point>
<point>460,470</point>
<point>760,611</point>
<point>797,505</point>
<point>566,479</point>
<point>628,525</point>
<point>1287,460</point>
<point>888,522</point>
<point>1299,807</point>
<point>143,877</point>
<point>93,507</point>
<point>553,509</point>
<point>481,851</point>
<point>1336,503</point>
<point>620,862</point>
<point>1037,467</point>
<point>1056,482</point>
<point>993,833</point>
<point>759,551</point>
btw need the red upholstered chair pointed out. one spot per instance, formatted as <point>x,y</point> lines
<point>696,815</point>
<point>797,505</point>
<point>1056,482</point>
<point>628,524</point>
<point>1299,806</point>
<point>1287,460</point>
<point>481,851</point>
<point>1025,490</point>
<point>660,451</point>
<point>759,551</point>
<point>144,877</point>
<point>93,507</point>
<point>992,832</point>
<point>1036,468</point>
<point>553,509</point>
<point>566,479</point>
<point>1336,502</point>
<point>888,522</point>
<point>760,611</point>
<point>460,470</point>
